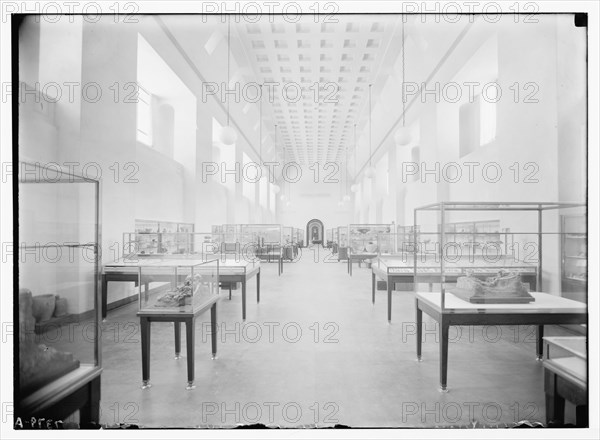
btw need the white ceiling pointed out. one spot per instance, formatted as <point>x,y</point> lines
<point>340,59</point>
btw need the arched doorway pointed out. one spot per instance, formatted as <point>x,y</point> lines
<point>314,231</point>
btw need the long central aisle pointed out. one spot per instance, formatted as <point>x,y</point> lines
<point>316,351</point>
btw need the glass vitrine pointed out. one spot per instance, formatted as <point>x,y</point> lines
<point>157,243</point>
<point>363,237</point>
<point>530,263</point>
<point>342,236</point>
<point>287,235</point>
<point>567,356</point>
<point>204,243</point>
<point>177,286</point>
<point>231,233</point>
<point>298,237</point>
<point>387,244</point>
<point>58,286</point>
<point>574,253</point>
<point>406,237</point>
<point>261,234</point>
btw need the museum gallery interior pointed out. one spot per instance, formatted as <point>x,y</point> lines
<point>366,220</point>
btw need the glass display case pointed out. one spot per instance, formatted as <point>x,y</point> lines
<point>328,242</point>
<point>217,233</point>
<point>475,236</point>
<point>406,238</point>
<point>568,355</point>
<point>387,244</point>
<point>532,230</point>
<point>158,238</point>
<point>157,243</point>
<point>298,237</point>
<point>363,237</point>
<point>566,379</point>
<point>204,243</point>
<point>177,286</point>
<point>488,287</point>
<point>343,243</point>
<point>58,293</point>
<point>231,233</point>
<point>342,236</point>
<point>260,234</point>
<point>287,235</point>
<point>574,257</point>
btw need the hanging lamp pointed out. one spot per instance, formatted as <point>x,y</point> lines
<point>370,171</point>
<point>402,136</point>
<point>228,134</point>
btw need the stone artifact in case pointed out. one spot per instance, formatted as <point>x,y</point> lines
<point>505,288</point>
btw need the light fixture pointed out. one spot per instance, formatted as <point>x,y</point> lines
<point>370,171</point>
<point>276,188</point>
<point>354,188</point>
<point>346,198</point>
<point>228,134</point>
<point>402,136</point>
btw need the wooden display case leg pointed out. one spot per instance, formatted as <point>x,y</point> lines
<point>177,328</point>
<point>190,338</point>
<point>229,291</point>
<point>89,413</point>
<point>243,299</point>
<point>389,292</point>
<point>213,330</point>
<point>443,333</point>
<point>419,331</point>
<point>104,297</point>
<point>581,416</point>
<point>555,409</point>
<point>539,343</point>
<point>146,333</point>
<point>373,282</point>
<point>258,286</point>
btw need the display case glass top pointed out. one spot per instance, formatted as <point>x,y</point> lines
<point>58,283</point>
<point>363,237</point>
<point>567,356</point>
<point>574,251</point>
<point>493,271</point>
<point>261,234</point>
<point>181,286</point>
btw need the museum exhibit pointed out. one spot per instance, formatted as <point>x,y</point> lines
<point>332,218</point>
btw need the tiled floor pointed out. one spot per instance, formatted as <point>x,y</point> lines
<point>316,351</point>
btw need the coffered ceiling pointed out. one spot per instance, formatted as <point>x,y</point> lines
<point>319,74</point>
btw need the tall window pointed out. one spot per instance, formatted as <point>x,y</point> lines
<point>144,117</point>
<point>477,122</point>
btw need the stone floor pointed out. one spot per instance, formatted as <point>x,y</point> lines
<point>315,351</point>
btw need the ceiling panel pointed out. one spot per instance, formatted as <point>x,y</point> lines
<point>321,73</point>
